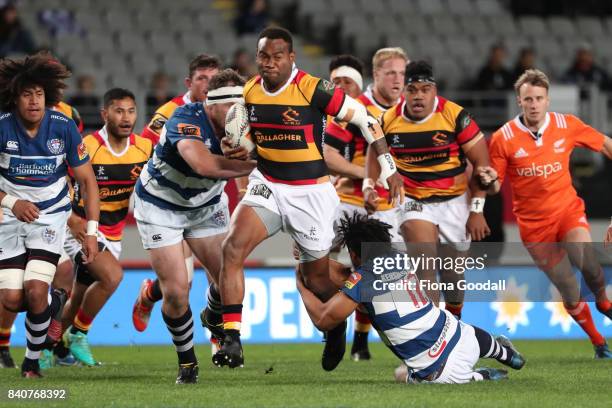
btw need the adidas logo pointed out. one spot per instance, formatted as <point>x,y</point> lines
<point>520,153</point>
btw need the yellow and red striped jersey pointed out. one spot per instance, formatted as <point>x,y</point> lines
<point>116,174</point>
<point>287,126</point>
<point>348,140</point>
<point>161,116</point>
<point>428,153</point>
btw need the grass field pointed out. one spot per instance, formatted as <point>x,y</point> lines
<point>561,373</point>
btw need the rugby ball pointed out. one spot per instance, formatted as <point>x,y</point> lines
<point>237,128</point>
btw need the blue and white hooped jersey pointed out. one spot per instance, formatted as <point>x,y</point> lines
<point>167,181</point>
<point>410,325</point>
<point>35,169</point>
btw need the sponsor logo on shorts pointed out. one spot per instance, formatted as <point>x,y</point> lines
<point>312,235</point>
<point>261,190</point>
<point>55,146</point>
<point>49,235</point>
<point>441,343</point>
<point>413,206</point>
<point>219,218</point>
<point>156,237</point>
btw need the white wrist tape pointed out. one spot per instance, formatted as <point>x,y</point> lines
<point>387,168</point>
<point>355,113</point>
<point>92,227</point>
<point>477,205</point>
<point>368,183</point>
<point>8,202</point>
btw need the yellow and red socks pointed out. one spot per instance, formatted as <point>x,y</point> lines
<point>454,308</point>
<point>5,337</point>
<point>232,318</point>
<point>362,322</point>
<point>153,292</point>
<point>181,329</point>
<point>82,322</point>
<point>582,315</point>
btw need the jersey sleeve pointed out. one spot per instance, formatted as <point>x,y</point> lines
<point>327,97</point>
<point>584,135</point>
<point>498,156</point>
<point>465,127</point>
<point>76,150</point>
<point>337,136</point>
<point>215,146</point>
<point>182,126</point>
<point>352,286</point>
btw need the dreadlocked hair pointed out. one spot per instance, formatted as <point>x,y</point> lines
<point>358,229</point>
<point>40,69</point>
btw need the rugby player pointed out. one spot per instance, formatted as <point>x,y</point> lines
<point>201,70</point>
<point>345,151</point>
<point>533,151</point>
<point>430,138</point>
<point>62,278</point>
<point>36,147</point>
<point>117,156</point>
<point>290,190</point>
<point>179,196</point>
<point>434,346</point>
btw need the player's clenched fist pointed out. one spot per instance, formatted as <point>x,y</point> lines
<point>487,175</point>
<point>25,211</point>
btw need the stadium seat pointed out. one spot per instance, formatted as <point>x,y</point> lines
<point>462,8</point>
<point>590,26</point>
<point>429,7</point>
<point>491,8</point>
<point>532,25</point>
<point>446,25</point>
<point>476,26</point>
<point>561,26</point>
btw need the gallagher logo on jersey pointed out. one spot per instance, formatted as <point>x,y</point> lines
<point>56,146</point>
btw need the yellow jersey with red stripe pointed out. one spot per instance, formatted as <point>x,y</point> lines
<point>348,140</point>
<point>161,116</point>
<point>116,174</point>
<point>428,153</point>
<point>287,126</point>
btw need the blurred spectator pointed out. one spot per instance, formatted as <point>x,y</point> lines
<point>252,17</point>
<point>87,103</point>
<point>14,38</point>
<point>159,93</point>
<point>525,61</point>
<point>494,75</point>
<point>243,63</point>
<point>585,72</point>
<point>60,21</point>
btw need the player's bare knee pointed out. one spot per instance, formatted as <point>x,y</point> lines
<point>233,252</point>
<point>12,301</point>
<point>112,278</point>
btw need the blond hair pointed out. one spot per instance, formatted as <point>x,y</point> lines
<point>533,77</point>
<point>385,54</point>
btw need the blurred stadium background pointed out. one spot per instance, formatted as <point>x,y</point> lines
<point>475,47</point>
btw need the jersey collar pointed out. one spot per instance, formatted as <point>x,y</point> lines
<point>538,136</point>
<point>104,135</point>
<point>369,93</point>
<point>187,98</point>
<point>425,119</point>
<point>294,72</point>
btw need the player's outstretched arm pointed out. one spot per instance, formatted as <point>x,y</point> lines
<point>355,113</point>
<point>326,316</point>
<point>84,175</point>
<point>478,155</point>
<point>206,164</point>
<point>337,164</point>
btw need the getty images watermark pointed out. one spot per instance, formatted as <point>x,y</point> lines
<point>398,272</point>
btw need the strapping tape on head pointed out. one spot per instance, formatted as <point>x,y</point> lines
<point>420,78</point>
<point>225,94</point>
<point>348,72</point>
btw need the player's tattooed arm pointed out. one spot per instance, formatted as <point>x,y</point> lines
<point>326,316</point>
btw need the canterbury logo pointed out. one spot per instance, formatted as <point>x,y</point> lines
<point>439,139</point>
<point>544,170</point>
<point>291,116</point>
